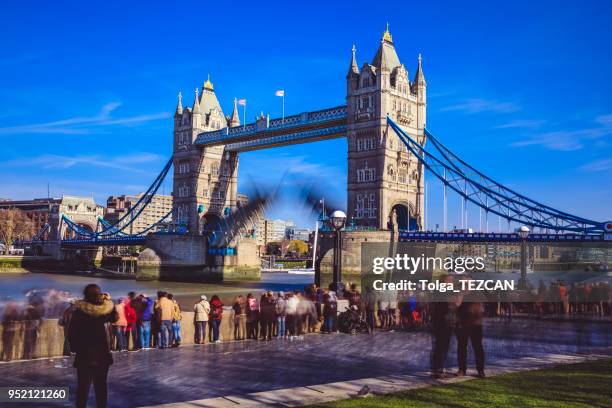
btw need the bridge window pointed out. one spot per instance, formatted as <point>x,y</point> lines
<point>214,169</point>
<point>365,144</point>
<point>183,190</point>
<point>401,175</point>
<point>219,194</point>
<point>182,213</point>
<point>183,138</point>
<point>391,173</point>
<point>365,102</point>
<point>183,167</point>
<point>366,174</point>
<point>365,206</point>
<point>359,207</point>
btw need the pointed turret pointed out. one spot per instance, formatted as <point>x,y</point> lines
<point>419,77</point>
<point>353,68</point>
<point>235,120</point>
<point>386,56</point>
<point>387,35</point>
<point>208,85</point>
<point>208,100</point>
<point>196,102</point>
<point>179,105</point>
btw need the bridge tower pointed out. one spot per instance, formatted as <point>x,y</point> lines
<point>385,181</point>
<point>205,178</point>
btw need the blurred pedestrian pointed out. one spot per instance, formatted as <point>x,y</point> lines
<point>239,310</point>
<point>87,334</point>
<point>216,314</point>
<point>281,315</point>
<point>176,322</point>
<point>200,317</point>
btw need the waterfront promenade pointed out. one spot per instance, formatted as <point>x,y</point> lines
<point>193,373</point>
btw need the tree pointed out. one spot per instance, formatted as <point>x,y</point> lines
<point>273,248</point>
<point>14,225</point>
<point>298,247</point>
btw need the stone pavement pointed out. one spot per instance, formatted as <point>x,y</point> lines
<point>323,366</point>
<point>321,393</point>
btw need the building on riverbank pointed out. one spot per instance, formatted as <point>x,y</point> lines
<point>117,206</point>
<point>41,210</point>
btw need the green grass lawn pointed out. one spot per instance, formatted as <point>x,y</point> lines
<point>576,385</point>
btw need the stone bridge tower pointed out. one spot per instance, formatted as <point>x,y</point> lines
<point>205,178</point>
<point>385,181</point>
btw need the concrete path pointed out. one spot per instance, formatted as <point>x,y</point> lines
<point>321,366</point>
<point>321,393</point>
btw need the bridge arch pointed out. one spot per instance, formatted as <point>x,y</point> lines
<point>207,221</point>
<point>405,216</point>
<point>68,233</point>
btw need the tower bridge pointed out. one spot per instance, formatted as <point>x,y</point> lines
<point>384,122</point>
<point>383,176</point>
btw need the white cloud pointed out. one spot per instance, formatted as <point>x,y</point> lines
<point>570,140</point>
<point>85,124</point>
<point>24,188</point>
<point>53,161</point>
<point>478,105</point>
<point>598,165</point>
<point>285,165</point>
<point>521,123</point>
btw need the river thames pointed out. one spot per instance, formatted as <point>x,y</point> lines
<point>15,286</point>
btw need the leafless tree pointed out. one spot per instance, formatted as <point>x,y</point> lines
<point>14,225</point>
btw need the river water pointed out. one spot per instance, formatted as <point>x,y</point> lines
<point>15,287</point>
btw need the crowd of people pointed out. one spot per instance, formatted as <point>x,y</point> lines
<point>140,322</point>
<point>147,321</point>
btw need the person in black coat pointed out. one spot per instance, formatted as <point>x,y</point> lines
<point>88,337</point>
<point>442,321</point>
<point>268,315</point>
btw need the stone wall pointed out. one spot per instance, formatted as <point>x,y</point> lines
<point>35,339</point>
<point>351,255</point>
<point>185,258</point>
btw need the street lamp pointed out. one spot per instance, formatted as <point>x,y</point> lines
<point>523,232</point>
<point>337,219</point>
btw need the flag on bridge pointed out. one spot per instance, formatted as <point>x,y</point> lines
<point>281,93</point>
<point>242,102</point>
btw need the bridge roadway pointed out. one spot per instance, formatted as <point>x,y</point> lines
<point>409,236</point>
<point>301,128</point>
<point>405,236</point>
<point>238,368</point>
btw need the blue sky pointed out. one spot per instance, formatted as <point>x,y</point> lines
<point>518,89</point>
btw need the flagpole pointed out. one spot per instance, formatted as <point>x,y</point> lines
<point>283,107</point>
<point>244,115</point>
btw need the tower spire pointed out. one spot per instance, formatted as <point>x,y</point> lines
<point>419,77</point>
<point>196,102</point>
<point>354,69</point>
<point>387,35</point>
<point>179,105</point>
<point>208,85</point>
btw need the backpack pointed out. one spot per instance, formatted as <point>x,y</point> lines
<point>215,313</point>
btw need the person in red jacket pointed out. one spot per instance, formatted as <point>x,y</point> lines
<point>215,316</point>
<point>130,318</point>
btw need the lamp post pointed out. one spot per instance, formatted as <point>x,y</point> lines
<point>523,232</point>
<point>337,219</point>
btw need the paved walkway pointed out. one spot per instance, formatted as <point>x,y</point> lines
<point>244,370</point>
